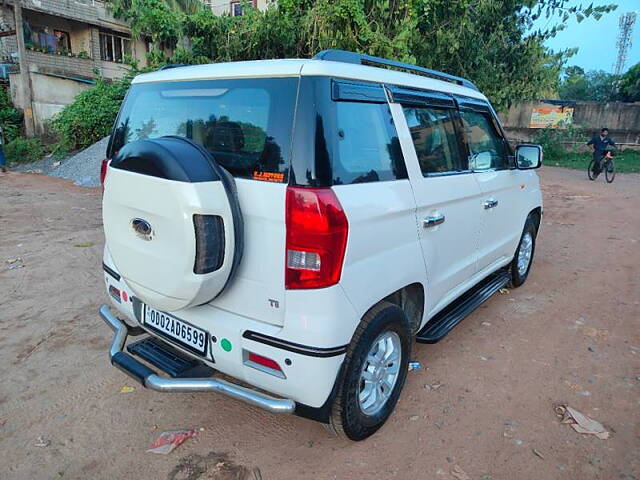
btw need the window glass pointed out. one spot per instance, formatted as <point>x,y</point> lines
<point>245,124</point>
<point>434,138</point>
<point>126,46</point>
<point>117,49</point>
<point>47,38</point>
<point>486,148</point>
<point>237,9</point>
<point>113,48</point>
<point>366,147</point>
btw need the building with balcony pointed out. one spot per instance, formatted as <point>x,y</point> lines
<point>69,43</point>
<point>235,8</point>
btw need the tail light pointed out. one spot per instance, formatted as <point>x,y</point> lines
<point>209,231</point>
<point>103,170</point>
<point>317,231</point>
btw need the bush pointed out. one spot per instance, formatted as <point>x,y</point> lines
<point>90,117</point>
<point>555,141</point>
<point>10,117</point>
<point>24,150</point>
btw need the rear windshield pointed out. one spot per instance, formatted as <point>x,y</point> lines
<point>245,124</point>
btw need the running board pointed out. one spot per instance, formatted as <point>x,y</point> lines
<point>444,321</point>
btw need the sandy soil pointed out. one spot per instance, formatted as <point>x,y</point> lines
<point>570,335</point>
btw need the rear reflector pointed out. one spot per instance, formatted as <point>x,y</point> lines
<point>264,361</point>
<point>103,170</point>
<point>317,231</point>
<point>209,231</point>
<point>115,293</point>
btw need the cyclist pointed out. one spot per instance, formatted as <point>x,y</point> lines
<point>600,144</point>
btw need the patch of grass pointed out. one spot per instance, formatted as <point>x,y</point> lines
<point>626,161</point>
<point>24,150</point>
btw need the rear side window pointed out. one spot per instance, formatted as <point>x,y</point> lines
<point>366,145</point>
<point>344,134</point>
<point>487,149</point>
<point>434,138</point>
<point>245,124</point>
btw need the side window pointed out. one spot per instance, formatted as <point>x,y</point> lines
<point>434,138</point>
<point>486,148</point>
<point>366,147</point>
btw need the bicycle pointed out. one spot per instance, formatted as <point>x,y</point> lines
<point>606,164</point>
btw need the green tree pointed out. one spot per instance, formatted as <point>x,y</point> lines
<point>595,86</point>
<point>630,84</point>
<point>10,117</point>
<point>574,86</point>
<point>487,41</point>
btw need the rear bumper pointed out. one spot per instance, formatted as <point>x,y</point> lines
<point>149,379</point>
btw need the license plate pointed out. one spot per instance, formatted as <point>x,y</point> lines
<point>178,330</point>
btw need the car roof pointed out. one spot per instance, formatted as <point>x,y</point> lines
<point>301,67</point>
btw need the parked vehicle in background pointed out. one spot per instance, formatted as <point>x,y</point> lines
<point>297,224</point>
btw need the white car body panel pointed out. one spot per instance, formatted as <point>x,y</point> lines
<point>449,249</point>
<point>259,281</point>
<point>502,224</point>
<point>383,242</point>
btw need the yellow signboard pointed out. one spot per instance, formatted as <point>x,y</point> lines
<point>553,117</point>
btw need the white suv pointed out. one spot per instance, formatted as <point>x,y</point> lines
<point>297,224</point>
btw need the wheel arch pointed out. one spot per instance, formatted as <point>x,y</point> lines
<point>411,299</point>
<point>536,216</point>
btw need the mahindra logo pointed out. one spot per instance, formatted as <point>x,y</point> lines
<point>142,228</point>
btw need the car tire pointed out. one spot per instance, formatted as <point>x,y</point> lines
<point>385,331</point>
<point>523,258</point>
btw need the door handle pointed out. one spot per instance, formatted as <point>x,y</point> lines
<point>490,203</point>
<point>429,222</point>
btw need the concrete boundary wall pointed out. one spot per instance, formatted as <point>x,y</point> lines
<point>622,119</point>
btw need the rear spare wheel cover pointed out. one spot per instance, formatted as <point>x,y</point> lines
<point>172,222</point>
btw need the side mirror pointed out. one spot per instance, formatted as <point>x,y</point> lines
<point>528,156</point>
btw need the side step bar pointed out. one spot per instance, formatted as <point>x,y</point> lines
<point>445,321</point>
<point>149,379</point>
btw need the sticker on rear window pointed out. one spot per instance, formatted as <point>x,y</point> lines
<point>275,177</point>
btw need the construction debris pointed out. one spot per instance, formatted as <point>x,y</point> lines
<point>414,366</point>
<point>42,442</point>
<point>537,453</point>
<point>459,473</point>
<point>168,441</point>
<point>580,422</point>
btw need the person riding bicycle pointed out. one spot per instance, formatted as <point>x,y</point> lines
<point>600,144</point>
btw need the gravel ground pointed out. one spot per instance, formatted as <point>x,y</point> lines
<point>83,168</point>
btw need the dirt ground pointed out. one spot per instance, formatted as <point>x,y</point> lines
<point>570,335</point>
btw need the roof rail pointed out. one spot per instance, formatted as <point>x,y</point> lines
<point>345,56</point>
<point>173,65</point>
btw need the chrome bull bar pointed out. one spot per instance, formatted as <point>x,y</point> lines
<point>149,379</point>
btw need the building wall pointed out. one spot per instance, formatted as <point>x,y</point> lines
<point>60,64</point>
<point>50,95</point>
<point>56,78</point>
<point>84,36</point>
<point>220,7</point>
<point>622,120</point>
